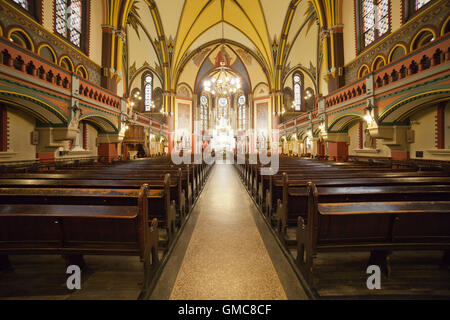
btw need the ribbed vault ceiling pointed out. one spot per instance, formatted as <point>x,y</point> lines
<point>198,17</point>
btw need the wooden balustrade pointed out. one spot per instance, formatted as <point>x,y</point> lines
<point>427,57</point>
<point>22,60</point>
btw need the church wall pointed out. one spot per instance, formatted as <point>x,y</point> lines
<point>189,74</point>
<point>91,140</point>
<point>348,19</point>
<point>396,14</point>
<point>47,14</point>
<point>20,128</point>
<point>447,126</point>
<point>95,31</point>
<point>353,133</point>
<point>423,124</point>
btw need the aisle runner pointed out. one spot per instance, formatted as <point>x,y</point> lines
<point>226,257</point>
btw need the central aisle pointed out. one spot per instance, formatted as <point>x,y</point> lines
<point>225,258</point>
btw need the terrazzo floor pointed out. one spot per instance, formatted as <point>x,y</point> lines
<point>226,258</point>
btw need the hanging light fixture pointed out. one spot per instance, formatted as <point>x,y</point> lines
<point>222,80</point>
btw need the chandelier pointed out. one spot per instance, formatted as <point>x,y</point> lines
<point>222,82</point>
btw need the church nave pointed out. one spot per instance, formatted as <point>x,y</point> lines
<point>224,254</point>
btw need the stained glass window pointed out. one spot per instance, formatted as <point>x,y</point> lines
<point>308,144</point>
<point>74,22</point>
<point>148,87</point>
<point>297,92</point>
<point>421,3</point>
<point>201,117</point>
<point>68,20</point>
<point>22,3</point>
<point>374,19</point>
<point>242,113</point>
<point>204,112</point>
<point>383,16</point>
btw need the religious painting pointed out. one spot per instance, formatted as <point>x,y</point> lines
<point>183,92</point>
<point>262,116</point>
<point>199,57</point>
<point>245,56</point>
<point>222,56</point>
<point>183,134</point>
<point>184,117</point>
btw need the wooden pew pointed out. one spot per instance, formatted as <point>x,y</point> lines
<point>78,229</point>
<point>191,177</point>
<point>276,184</point>
<point>259,183</point>
<point>378,227</point>
<point>294,199</point>
<point>160,204</point>
<point>178,191</point>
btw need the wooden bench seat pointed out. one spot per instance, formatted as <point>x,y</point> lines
<point>84,193</point>
<point>179,185</point>
<point>294,201</point>
<point>94,191</point>
<point>385,207</point>
<point>76,230</point>
<point>377,227</point>
<point>277,189</point>
<point>66,210</point>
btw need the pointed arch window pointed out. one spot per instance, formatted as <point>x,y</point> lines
<point>242,113</point>
<point>204,112</point>
<point>71,21</point>
<point>421,3</point>
<point>298,89</point>
<point>31,8</point>
<point>411,7</point>
<point>23,3</point>
<point>148,91</point>
<point>374,21</point>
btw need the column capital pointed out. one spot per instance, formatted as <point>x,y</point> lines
<point>108,28</point>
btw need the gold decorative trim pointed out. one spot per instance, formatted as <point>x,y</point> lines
<point>375,61</point>
<point>12,30</point>
<point>55,37</point>
<point>55,56</point>
<point>395,47</point>
<point>444,25</point>
<point>418,33</point>
<point>410,21</point>
<point>67,58</point>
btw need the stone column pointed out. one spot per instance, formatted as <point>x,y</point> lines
<point>395,138</point>
<point>112,51</point>
<point>336,79</point>
<point>337,146</point>
<point>4,128</point>
<point>107,147</point>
